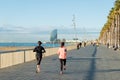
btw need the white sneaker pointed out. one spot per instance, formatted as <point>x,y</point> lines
<point>61,72</point>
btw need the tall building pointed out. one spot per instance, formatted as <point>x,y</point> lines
<point>53,36</point>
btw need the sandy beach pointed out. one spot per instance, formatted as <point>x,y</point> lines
<point>14,48</point>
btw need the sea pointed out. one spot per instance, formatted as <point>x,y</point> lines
<point>47,45</point>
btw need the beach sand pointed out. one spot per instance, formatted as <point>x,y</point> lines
<point>14,48</point>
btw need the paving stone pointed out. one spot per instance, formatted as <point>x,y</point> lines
<point>89,63</point>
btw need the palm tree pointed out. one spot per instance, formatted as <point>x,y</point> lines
<point>117,8</point>
<point>111,30</point>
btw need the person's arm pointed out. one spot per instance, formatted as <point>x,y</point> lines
<point>58,52</point>
<point>43,50</point>
<point>34,50</point>
<point>65,50</point>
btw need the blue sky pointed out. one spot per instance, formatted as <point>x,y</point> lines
<point>33,20</point>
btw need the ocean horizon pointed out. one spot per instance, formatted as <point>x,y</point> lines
<point>17,44</point>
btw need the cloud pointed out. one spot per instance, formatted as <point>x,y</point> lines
<point>10,28</point>
<point>23,34</point>
<point>44,30</point>
<point>13,29</point>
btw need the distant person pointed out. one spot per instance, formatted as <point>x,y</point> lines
<point>107,45</point>
<point>91,43</point>
<point>97,44</point>
<point>115,48</point>
<point>94,44</point>
<point>84,44</point>
<point>39,51</point>
<point>62,52</point>
<point>80,44</point>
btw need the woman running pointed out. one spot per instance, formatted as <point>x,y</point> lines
<point>62,51</point>
<point>39,50</point>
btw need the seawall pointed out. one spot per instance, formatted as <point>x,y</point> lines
<point>10,58</point>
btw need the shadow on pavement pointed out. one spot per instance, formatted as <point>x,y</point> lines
<point>109,70</point>
<point>91,72</point>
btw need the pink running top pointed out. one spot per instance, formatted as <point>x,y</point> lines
<point>62,51</point>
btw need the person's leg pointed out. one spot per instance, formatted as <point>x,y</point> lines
<point>38,68</point>
<point>39,58</point>
<point>64,64</point>
<point>61,66</point>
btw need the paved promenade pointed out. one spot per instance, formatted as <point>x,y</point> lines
<point>89,63</point>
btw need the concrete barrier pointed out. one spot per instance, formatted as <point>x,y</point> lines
<point>10,58</point>
<point>6,60</point>
<point>18,57</point>
<point>29,55</point>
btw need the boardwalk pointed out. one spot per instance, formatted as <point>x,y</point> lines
<point>89,63</point>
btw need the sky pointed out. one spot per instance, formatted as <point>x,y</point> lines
<point>33,20</point>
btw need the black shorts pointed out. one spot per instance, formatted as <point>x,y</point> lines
<point>38,58</point>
